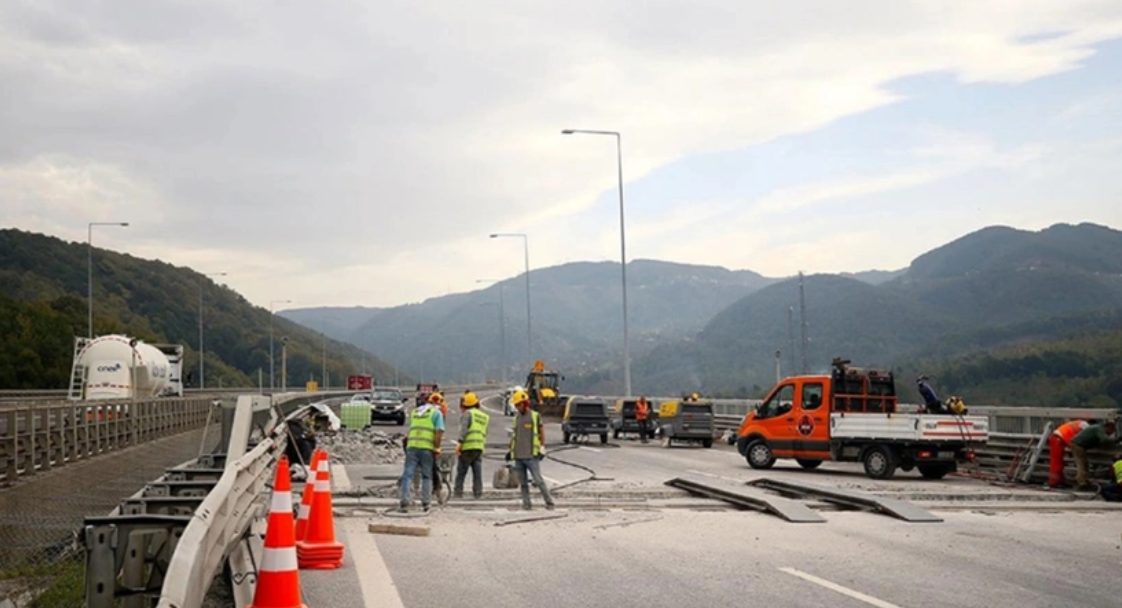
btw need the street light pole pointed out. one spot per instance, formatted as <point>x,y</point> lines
<point>272,359</point>
<point>622,249</point>
<point>502,326</point>
<point>202,368</point>
<point>89,269</point>
<point>526,249</point>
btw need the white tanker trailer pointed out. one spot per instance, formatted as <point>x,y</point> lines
<point>114,366</point>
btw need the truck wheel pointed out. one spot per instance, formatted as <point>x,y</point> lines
<point>880,462</point>
<point>808,463</point>
<point>759,455</point>
<point>706,443</point>
<point>401,420</point>
<point>603,438</point>
<point>934,471</point>
<point>566,437</point>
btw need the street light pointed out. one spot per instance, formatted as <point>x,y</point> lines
<point>89,268</point>
<point>526,248</point>
<point>622,250</point>
<point>272,364</point>
<point>323,333</point>
<point>502,326</point>
<point>202,373</point>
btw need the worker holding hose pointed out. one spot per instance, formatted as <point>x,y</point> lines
<point>527,448</point>
<point>470,444</point>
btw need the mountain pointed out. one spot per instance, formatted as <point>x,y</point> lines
<point>873,277</point>
<point>43,282</point>
<point>575,312</point>
<point>998,288</point>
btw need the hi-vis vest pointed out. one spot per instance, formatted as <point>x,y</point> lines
<point>1118,472</point>
<point>476,438</point>
<point>537,422</point>
<point>1068,430</point>
<point>422,430</point>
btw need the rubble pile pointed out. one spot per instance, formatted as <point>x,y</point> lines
<point>368,446</point>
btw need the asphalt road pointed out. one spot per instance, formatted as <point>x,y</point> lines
<point>989,556</point>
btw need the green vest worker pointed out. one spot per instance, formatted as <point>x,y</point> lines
<point>469,447</point>
<point>426,431</point>
<point>527,448</point>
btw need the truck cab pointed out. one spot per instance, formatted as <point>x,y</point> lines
<point>853,415</point>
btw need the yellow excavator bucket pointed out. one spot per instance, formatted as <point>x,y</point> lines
<point>548,393</point>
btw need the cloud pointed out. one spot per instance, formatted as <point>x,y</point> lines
<point>364,151</point>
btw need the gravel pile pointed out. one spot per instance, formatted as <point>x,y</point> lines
<point>368,446</point>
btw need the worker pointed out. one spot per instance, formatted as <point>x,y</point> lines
<point>426,431</point>
<point>527,448</point>
<point>1094,436</point>
<point>1057,444</point>
<point>694,397</point>
<point>930,399</point>
<point>1113,492</point>
<point>642,416</point>
<point>469,447</point>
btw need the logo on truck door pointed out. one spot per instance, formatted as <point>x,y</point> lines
<point>806,425</point>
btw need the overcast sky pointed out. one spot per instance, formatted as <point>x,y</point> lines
<point>359,152</point>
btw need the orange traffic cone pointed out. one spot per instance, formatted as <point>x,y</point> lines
<point>306,500</point>
<point>278,581</point>
<point>318,549</point>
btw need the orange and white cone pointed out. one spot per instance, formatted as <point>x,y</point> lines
<point>318,550</point>
<point>278,580</point>
<point>306,500</point>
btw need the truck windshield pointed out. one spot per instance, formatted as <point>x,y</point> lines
<point>780,403</point>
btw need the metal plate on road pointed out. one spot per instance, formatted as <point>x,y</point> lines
<point>890,506</point>
<point>744,496</point>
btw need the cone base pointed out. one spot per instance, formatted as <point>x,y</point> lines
<point>322,565</point>
<point>296,606</point>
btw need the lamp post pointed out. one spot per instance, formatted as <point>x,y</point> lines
<point>202,368</point>
<point>323,334</point>
<point>272,365</point>
<point>89,268</point>
<point>526,250</point>
<point>622,249</point>
<point>502,326</point>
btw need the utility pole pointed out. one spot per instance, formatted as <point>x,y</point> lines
<point>791,335</point>
<point>778,374</point>
<point>802,319</point>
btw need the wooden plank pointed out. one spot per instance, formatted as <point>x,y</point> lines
<point>742,495</point>
<point>398,530</point>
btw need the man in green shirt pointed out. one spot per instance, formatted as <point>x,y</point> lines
<point>1094,436</point>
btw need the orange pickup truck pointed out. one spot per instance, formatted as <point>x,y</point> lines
<point>853,415</point>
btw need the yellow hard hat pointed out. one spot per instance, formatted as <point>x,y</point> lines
<point>470,400</point>
<point>694,396</point>
<point>436,398</point>
<point>519,397</point>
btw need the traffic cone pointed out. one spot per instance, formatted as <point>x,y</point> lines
<point>318,549</point>
<point>278,580</point>
<point>306,500</point>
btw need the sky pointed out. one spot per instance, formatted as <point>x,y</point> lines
<point>360,153</point>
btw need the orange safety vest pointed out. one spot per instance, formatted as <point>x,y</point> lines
<point>1068,430</point>
<point>641,410</point>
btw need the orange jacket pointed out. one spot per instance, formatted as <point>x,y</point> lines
<point>642,410</point>
<point>1068,430</point>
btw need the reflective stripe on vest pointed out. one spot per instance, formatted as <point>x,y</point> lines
<point>1118,472</point>
<point>1068,430</point>
<point>536,422</point>
<point>476,438</point>
<point>422,430</point>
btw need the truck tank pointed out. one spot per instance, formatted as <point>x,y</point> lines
<point>108,359</point>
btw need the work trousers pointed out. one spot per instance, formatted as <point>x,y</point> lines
<point>525,468</point>
<point>644,429</point>
<point>469,459</point>
<point>1081,467</point>
<point>417,459</point>
<point>1056,448</point>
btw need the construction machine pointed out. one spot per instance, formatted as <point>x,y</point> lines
<point>544,388</point>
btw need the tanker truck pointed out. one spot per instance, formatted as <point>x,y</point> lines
<point>119,367</point>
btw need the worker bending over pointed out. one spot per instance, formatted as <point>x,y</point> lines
<point>1057,444</point>
<point>469,446</point>
<point>527,448</point>
<point>426,431</point>
<point>1094,436</point>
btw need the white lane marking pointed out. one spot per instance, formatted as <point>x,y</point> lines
<point>340,477</point>
<point>585,447</point>
<point>857,595</point>
<point>696,472</point>
<point>551,481</point>
<point>374,578</point>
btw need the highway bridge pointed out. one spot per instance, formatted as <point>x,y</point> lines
<point>621,536</point>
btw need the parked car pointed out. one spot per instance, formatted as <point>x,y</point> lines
<point>388,404</point>
<point>585,416</point>
<point>508,407</point>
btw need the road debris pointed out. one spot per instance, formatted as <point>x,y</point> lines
<point>524,520</point>
<point>374,528</point>
<point>368,446</point>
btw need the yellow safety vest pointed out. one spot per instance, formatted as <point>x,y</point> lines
<point>1118,472</point>
<point>536,421</point>
<point>476,438</point>
<point>422,430</point>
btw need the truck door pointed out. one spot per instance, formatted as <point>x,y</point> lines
<point>776,421</point>
<point>812,421</point>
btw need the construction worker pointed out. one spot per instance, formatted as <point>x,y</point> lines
<point>642,416</point>
<point>1057,444</point>
<point>1113,492</point>
<point>1095,435</point>
<point>527,448</point>
<point>469,446</point>
<point>930,399</point>
<point>693,398</point>
<point>426,431</point>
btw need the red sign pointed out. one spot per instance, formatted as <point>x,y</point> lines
<point>360,383</point>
